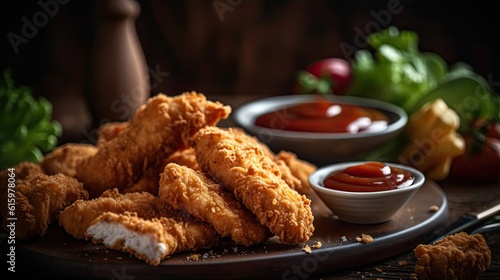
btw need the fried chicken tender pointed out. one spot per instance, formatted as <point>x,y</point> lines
<point>38,200</point>
<point>158,129</point>
<point>294,172</point>
<point>192,191</point>
<point>242,167</point>
<point>19,173</point>
<point>109,130</point>
<point>149,182</point>
<point>65,159</point>
<point>186,157</point>
<point>150,240</point>
<point>459,256</point>
<point>23,171</point>
<point>299,169</point>
<point>77,217</point>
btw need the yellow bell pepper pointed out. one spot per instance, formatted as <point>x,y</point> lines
<point>433,140</point>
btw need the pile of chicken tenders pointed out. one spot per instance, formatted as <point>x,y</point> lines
<point>168,180</point>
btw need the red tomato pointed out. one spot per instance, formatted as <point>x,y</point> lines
<point>482,166</point>
<point>337,69</point>
<point>494,130</point>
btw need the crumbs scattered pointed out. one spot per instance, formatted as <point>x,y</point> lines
<point>193,257</point>
<point>433,208</point>
<point>317,245</point>
<point>365,238</point>
<point>403,263</point>
<point>343,238</point>
<point>307,249</point>
<point>211,254</point>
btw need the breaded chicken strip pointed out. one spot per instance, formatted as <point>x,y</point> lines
<point>109,130</point>
<point>150,240</point>
<point>12,177</point>
<point>299,169</point>
<point>159,128</point>
<point>38,201</point>
<point>192,191</point>
<point>66,158</point>
<point>186,157</point>
<point>460,256</point>
<point>23,171</point>
<point>149,182</point>
<point>294,172</point>
<point>242,167</point>
<point>77,217</point>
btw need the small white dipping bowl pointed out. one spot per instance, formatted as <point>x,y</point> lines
<point>364,207</point>
<point>320,148</point>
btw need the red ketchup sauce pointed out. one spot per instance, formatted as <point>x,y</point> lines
<point>369,177</point>
<point>324,116</point>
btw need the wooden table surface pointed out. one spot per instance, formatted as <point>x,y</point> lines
<point>462,198</point>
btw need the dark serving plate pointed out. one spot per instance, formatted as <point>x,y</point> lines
<point>58,253</point>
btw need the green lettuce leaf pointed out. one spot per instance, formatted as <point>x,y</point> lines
<point>27,130</point>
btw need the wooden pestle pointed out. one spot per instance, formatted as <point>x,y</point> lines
<point>118,71</point>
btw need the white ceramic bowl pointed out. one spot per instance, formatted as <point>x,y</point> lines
<point>319,148</point>
<point>364,207</point>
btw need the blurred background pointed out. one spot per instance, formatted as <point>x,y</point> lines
<point>231,47</point>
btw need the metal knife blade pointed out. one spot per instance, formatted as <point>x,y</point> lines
<point>466,221</point>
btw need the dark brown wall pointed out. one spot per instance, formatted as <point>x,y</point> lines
<point>252,47</point>
<point>255,46</point>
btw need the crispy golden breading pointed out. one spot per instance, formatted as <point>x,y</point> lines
<point>242,167</point>
<point>186,157</point>
<point>150,240</point>
<point>77,217</point>
<point>23,171</point>
<point>110,130</point>
<point>20,172</point>
<point>158,129</point>
<point>38,201</point>
<point>294,172</point>
<point>192,191</point>
<point>147,183</point>
<point>17,174</point>
<point>166,181</point>
<point>66,158</point>
<point>459,256</point>
<point>299,169</point>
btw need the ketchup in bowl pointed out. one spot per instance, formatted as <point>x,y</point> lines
<point>369,177</point>
<point>325,116</point>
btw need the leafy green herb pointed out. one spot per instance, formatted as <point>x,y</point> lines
<point>312,85</point>
<point>395,71</point>
<point>27,130</point>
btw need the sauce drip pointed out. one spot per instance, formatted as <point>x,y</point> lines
<point>324,116</point>
<point>369,177</point>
